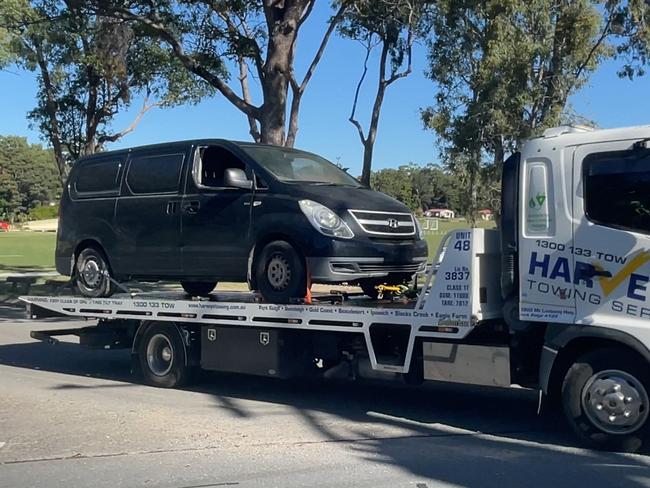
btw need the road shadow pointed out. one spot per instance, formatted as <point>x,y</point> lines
<point>465,436</point>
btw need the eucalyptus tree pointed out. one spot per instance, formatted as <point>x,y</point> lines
<point>89,68</point>
<point>251,39</point>
<point>392,27</point>
<point>505,69</point>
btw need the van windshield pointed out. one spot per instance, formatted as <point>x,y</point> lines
<point>293,166</point>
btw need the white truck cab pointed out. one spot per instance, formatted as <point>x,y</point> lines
<point>576,258</point>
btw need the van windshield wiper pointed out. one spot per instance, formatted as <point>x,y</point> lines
<point>319,183</point>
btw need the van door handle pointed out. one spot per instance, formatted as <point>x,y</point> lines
<point>192,208</point>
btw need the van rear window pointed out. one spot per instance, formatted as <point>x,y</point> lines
<point>155,174</point>
<point>98,177</point>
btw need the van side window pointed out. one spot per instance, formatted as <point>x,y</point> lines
<point>617,189</point>
<point>98,177</point>
<point>211,166</point>
<point>155,174</point>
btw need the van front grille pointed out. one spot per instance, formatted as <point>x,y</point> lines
<point>389,224</point>
<point>388,268</point>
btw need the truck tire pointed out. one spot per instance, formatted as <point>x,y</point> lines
<point>605,399</point>
<point>280,273</point>
<point>198,288</point>
<point>92,274</point>
<point>162,357</point>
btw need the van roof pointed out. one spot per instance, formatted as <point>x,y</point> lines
<point>187,142</point>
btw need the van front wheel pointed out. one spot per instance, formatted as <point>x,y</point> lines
<point>93,274</point>
<point>280,273</point>
<point>198,288</point>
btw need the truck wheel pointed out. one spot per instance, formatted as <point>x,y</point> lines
<point>605,400</point>
<point>161,354</point>
<point>92,274</point>
<point>280,273</point>
<point>198,288</point>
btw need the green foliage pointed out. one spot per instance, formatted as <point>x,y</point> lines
<point>44,212</point>
<point>505,69</point>
<point>28,178</point>
<point>9,197</point>
<point>421,187</point>
<point>90,67</point>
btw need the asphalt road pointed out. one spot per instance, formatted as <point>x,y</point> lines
<point>72,417</point>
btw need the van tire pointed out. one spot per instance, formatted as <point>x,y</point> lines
<point>93,273</point>
<point>162,357</point>
<point>198,288</point>
<point>597,373</point>
<point>280,273</point>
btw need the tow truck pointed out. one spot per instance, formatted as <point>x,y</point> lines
<point>556,299</point>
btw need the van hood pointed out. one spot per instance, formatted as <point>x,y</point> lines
<point>340,198</point>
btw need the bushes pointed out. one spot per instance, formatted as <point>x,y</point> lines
<point>43,212</point>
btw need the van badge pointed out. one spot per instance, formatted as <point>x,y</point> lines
<point>212,335</point>
<point>265,338</point>
<point>393,223</point>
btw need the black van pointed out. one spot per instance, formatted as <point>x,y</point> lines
<point>207,210</point>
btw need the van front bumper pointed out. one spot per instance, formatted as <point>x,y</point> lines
<point>351,261</point>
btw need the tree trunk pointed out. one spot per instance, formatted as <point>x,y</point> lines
<point>369,143</point>
<point>54,134</point>
<point>283,30</point>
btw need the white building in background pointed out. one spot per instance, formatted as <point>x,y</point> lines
<point>441,213</point>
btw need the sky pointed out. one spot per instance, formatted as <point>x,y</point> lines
<point>323,125</point>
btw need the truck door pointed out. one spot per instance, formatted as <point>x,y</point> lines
<point>611,208</point>
<point>546,234</point>
<point>215,218</point>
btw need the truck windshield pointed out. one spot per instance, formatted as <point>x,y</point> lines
<point>293,166</point>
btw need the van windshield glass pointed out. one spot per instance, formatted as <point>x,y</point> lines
<point>293,166</point>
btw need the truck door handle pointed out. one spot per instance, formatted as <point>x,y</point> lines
<point>192,208</point>
<point>172,208</point>
<point>587,272</point>
<point>606,274</point>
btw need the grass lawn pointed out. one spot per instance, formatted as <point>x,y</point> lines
<point>34,251</point>
<point>27,251</point>
<point>433,237</point>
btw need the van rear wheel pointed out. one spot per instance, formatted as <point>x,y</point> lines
<point>93,275</point>
<point>198,288</point>
<point>280,273</point>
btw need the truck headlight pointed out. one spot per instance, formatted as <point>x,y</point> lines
<point>324,220</point>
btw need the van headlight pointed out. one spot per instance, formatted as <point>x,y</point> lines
<point>324,220</point>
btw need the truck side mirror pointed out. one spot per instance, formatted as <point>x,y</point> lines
<point>236,178</point>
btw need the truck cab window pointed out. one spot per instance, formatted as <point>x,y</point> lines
<point>617,189</point>
<point>211,165</point>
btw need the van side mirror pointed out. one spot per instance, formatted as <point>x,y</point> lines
<point>236,178</point>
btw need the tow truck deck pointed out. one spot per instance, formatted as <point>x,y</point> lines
<point>448,308</point>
